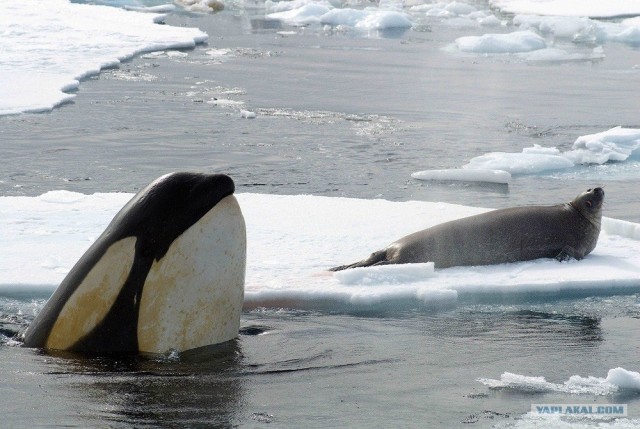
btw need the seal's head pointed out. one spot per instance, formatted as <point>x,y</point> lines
<point>589,205</point>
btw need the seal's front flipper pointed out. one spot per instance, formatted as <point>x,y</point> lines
<point>567,253</point>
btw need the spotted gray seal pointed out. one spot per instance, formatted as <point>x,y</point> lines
<point>513,234</point>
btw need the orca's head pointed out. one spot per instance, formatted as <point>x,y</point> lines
<point>167,207</point>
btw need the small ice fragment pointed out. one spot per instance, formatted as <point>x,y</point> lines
<point>465,175</point>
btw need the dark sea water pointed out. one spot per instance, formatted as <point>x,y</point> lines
<point>337,115</point>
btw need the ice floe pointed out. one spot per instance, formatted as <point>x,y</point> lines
<point>617,144</point>
<point>617,379</point>
<point>46,51</point>
<point>293,240</point>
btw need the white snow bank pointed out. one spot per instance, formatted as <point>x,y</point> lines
<point>293,240</point>
<point>366,19</point>
<point>47,50</point>
<point>457,14</point>
<point>621,228</point>
<point>310,13</point>
<point>282,6</point>
<point>532,160</point>
<point>577,29</point>
<point>510,43</point>
<point>559,26</point>
<point>614,145</point>
<point>161,8</point>
<point>305,12</point>
<point>553,38</point>
<point>202,6</point>
<point>594,9</point>
<point>617,379</point>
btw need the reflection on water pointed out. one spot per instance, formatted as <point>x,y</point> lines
<point>199,388</point>
<point>525,327</point>
<point>582,328</point>
<point>260,23</point>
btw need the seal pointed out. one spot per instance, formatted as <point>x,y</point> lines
<point>513,234</point>
<point>166,274</point>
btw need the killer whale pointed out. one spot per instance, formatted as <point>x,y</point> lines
<point>166,274</point>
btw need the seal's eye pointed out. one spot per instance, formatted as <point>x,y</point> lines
<point>589,190</point>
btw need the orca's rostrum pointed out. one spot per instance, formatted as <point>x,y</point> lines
<point>166,274</point>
